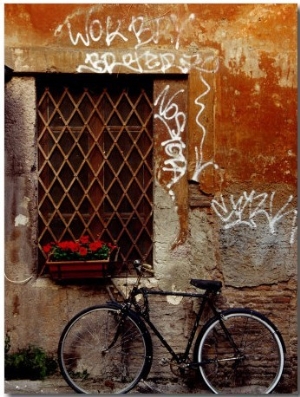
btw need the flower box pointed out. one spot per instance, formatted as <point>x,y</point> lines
<point>65,270</point>
<point>81,259</point>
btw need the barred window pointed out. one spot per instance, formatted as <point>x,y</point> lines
<point>95,153</point>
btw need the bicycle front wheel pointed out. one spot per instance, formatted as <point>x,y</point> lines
<point>97,355</point>
<point>242,354</point>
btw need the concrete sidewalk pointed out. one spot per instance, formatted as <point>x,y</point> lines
<point>59,386</point>
<point>48,386</point>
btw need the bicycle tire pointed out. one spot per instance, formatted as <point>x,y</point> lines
<point>86,364</point>
<point>259,369</point>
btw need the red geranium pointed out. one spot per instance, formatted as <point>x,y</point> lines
<point>84,239</point>
<point>47,248</point>
<point>81,249</point>
<point>95,245</point>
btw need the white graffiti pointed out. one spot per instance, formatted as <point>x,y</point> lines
<point>94,32</point>
<point>200,164</point>
<point>141,30</point>
<point>153,46</point>
<point>168,111</point>
<point>146,61</point>
<point>245,209</point>
<point>139,26</point>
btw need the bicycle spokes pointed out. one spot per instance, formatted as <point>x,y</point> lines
<point>252,364</point>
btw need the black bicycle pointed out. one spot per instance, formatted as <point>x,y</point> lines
<point>107,349</point>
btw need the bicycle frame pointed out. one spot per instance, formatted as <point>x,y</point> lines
<point>237,349</point>
<point>143,312</point>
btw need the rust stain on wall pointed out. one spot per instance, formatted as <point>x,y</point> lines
<point>16,305</point>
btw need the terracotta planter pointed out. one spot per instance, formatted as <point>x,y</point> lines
<point>80,269</point>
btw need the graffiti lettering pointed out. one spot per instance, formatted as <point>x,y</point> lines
<point>246,208</point>
<point>144,62</point>
<point>94,32</point>
<point>168,111</point>
<point>143,31</point>
<point>140,29</point>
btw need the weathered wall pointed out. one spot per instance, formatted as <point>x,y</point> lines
<point>226,207</point>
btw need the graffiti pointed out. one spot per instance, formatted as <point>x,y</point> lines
<point>246,209</point>
<point>168,111</point>
<point>153,45</point>
<point>200,164</point>
<point>145,62</point>
<point>94,32</point>
<point>141,30</point>
<point>156,28</point>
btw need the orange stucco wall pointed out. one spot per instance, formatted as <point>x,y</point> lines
<point>250,50</point>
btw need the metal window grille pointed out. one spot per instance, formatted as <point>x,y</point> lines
<point>95,152</point>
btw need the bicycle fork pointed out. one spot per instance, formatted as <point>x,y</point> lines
<point>118,331</point>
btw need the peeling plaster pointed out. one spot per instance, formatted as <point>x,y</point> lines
<point>240,57</point>
<point>21,220</point>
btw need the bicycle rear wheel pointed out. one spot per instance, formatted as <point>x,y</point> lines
<point>253,366</point>
<point>87,361</point>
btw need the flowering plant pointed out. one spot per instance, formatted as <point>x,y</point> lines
<point>80,250</point>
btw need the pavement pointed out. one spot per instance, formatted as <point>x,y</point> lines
<point>48,386</point>
<point>59,386</point>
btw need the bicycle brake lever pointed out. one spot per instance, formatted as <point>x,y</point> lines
<point>139,266</point>
<point>148,268</point>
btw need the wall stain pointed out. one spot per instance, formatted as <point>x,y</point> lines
<point>16,305</point>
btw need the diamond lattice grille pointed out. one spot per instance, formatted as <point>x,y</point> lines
<point>95,161</point>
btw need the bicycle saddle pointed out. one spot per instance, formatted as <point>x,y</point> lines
<point>211,285</point>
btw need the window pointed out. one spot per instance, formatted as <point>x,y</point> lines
<point>95,152</point>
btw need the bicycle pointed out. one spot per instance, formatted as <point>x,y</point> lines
<point>108,348</point>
